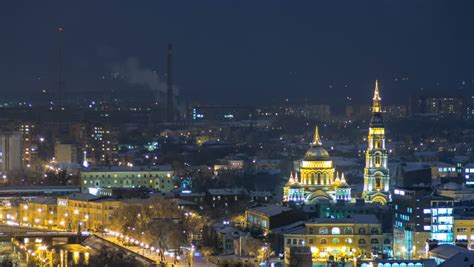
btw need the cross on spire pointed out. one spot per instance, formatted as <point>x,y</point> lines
<point>316,138</point>
<point>376,99</point>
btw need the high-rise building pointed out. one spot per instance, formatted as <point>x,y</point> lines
<point>376,172</point>
<point>27,131</point>
<point>470,106</point>
<point>67,154</point>
<point>438,105</point>
<point>411,222</point>
<point>11,151</point>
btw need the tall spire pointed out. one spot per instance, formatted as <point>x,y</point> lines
<point>376,99</point>
<point>291,180</point>
<point>316,138</point>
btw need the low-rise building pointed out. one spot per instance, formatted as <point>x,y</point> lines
<point>468,171</point>
<point>358,235</point>
<point>260,196</point>
<point>464,230</point>
<point>156,177</point>
<point>85,211</point>
<point>268,217</point>
<point>225,197</point>
<point>41,211</point>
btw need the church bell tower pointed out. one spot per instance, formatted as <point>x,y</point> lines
<point>376,172</point>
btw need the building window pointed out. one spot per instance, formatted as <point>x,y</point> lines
<point>288,241</point>
<point>374,231</point>
<point>310,241</point>
<point>378,182</point>
<point>362,231</point>
<point>461,230</point>
<point>336,231</point>
<point>323,241</point>
<point>323,230</point>
<point>374,241</point>
<point>311,230</point>
<point>335,240</point>
<point>348,241</point>
<point>362,241</point>
<point>378,160</point>
<point>348,230</point>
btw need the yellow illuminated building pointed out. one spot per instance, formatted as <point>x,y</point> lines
<point>464,230</point>
<point>40,212</point>
<point>344,238</point>
<point>316,178</point>
<point>85,211</point>
<point>376,172</point>
<point>77,211</point>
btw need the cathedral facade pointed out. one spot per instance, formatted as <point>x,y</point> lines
<point>316,178</point>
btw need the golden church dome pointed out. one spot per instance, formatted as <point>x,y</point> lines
<point>316,152</point>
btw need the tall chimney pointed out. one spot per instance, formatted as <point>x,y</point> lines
<point>169,83</point>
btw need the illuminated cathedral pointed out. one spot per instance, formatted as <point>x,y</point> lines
<point>316,179</point>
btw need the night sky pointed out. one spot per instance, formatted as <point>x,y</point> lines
<point>243,51</point>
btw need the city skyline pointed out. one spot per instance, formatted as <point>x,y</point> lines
<point>227,133</point>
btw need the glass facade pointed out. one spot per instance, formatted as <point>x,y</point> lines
<point>442,221</point>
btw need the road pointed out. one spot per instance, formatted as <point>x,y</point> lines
<point>196,262</point>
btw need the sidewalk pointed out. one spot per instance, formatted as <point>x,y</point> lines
<point>197,261</point>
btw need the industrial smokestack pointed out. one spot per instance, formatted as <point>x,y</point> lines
<point>169,83</point>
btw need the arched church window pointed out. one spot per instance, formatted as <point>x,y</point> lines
<point>348,230</point>
<point>378,182</point>
<point>323,230</point>
<point>378,160</point>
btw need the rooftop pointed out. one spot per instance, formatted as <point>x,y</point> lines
<point>355,218</point>
<point>225,191</point>
<point>44,200</point>
<point>83,197</point>
<point>269,210</point>
<point>129,169</point>
<point>446,251</point>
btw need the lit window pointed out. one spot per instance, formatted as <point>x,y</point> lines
<point>336,231</point>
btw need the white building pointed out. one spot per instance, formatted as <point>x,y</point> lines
<point>11,149</point>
